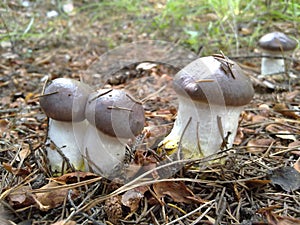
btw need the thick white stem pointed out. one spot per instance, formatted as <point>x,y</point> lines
<point>68,138</point>
<point>202,135</point>
<point>272,66</point>
<point>102,152</point>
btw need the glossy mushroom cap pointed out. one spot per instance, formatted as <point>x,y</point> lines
<point>277,41</point>
<point>115,113</point>
<point>209,79</point>
<point>65,99</point>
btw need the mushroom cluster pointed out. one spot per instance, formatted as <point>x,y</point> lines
<point>88,129</point>
<point>211,93</point>
<point>274,47</point>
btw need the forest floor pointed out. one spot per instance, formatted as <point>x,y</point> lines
<point>258,183</point>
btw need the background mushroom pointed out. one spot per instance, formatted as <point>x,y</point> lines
<point>212,92</point>
<point>275,44</point>
<point>63,101</point>
<point>114,117</point>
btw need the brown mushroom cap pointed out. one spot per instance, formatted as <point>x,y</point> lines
<point>64,99</point>
<point>277,41</point>
<point>115,113</point>
<point>209,80</point>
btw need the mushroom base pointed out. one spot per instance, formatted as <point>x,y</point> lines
<point>272,66</point>
<point>103,153</point>
<point>68,138</point>
<point>199,126</point>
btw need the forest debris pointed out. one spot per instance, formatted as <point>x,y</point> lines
<point>20,198</point>
<point>288,178</point>
<point>285,111</point>
<point>64,222</point>
<point>290,96</point>
<point>113,209</point>
<point>16,171</point>
<point>74,177</point>
<point>256,183</point>
<point>178,191</point>
<point>274,219</point>
<point>132,198</point>
<point>25,152</point>
<point>282,131</point>
<point>51,199</point>
<point>297,165</point>
<point>259,145</point>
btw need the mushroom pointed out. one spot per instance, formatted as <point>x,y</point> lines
<point>63,101</point>
<point>275,44</point>
<point>212,92</point>
<point>114,117</point>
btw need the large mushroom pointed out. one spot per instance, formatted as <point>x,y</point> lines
<point>212,92</point>
<point>274,47</point>
<point>114,117</point>
<point>63,101</point>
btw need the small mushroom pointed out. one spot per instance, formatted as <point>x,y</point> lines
<point>114,117</point>
<point>275,44</point>
<point>63,101</point>
<point>212,92</point>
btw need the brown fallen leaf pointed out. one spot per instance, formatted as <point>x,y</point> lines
<point>74,177</point>
<point>63,222</point>
<point>178,191</point>
<point>295,145</point>
<point>51,199</point>
<point>16,171</point>
<point>274,219</point>
<point>259,119</point>
<point>25,152</point>
<point>3,126</point>
<point>285,111</point>
<point>21,198</point>
<point>297,165</point>
<point>132,198</point>
<point>259,145</point>
<point>290,96</point>
<point>281,131</point>
<point>256,183</point>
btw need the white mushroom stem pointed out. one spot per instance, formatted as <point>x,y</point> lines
<point>68,138</point>
<point>102,152</point>
<point>197,127</point>
<point>271,65</point>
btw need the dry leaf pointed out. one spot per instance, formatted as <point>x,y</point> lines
<point>3,125</point>
<point>21,198</point>
<point>288,178</point>
<point>259,119</point>
<point>256,183</point>
<point>74,177</point>
<point>295,145</point>
<point>274,219</point>
<point>15,171</point>
<point>281,131</point>
<point>24,153</point>
<point>132,198</point>
<point>285,111</point>
<point>63,222</point>
<point>297,165</point>
<point>259,145</point>
<point>290,96</point>
<point>176,190</point>
<point>50,199</point>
